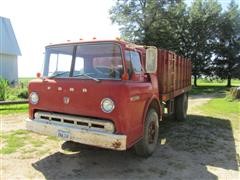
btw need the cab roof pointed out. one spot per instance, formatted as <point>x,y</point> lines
<point>68,42</point>
<point>117,41</point>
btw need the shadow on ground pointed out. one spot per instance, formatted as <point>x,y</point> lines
<point>184,152</point>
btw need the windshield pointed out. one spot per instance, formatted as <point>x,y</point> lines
<point>88,61</point>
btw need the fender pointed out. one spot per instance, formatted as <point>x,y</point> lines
<point>147,105</point>
<point>153,98</point>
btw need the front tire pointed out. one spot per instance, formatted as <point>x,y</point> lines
<point>147,145</point>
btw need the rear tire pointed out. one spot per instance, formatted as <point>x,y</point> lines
<point>146,146</point>
<point>181,106</point>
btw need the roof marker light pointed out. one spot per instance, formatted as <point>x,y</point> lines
<point>38,75</point>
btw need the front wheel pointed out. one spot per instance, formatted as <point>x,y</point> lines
<point>146,146</point>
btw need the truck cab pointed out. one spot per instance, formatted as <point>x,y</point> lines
<point>99,93</point>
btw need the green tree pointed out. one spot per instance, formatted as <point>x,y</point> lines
<point>228,46</point>
<point>190,32</point>
<point>171,29</point>
<point>204,16</point>
<point>139,19</point>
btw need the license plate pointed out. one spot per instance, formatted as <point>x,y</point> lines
<point>63,134</point>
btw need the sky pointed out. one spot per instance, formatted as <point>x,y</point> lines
<point>41,22</point>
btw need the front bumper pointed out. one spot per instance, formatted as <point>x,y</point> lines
<point>84,136</point>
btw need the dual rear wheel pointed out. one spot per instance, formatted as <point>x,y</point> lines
<point>180,107</point>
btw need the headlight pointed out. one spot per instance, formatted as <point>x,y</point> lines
<point>33,98</point>
<point>107,105</point>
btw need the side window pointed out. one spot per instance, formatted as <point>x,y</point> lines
<point>136,63</point>
<point>133,62</point>
<point>128,63</point>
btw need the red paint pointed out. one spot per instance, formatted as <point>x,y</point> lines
<point>128,116</point>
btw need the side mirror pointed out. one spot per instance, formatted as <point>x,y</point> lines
<point>151,59</point>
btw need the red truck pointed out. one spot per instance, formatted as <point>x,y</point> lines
<point>110,94</point>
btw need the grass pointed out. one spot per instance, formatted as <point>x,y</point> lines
<point>217,82</point>
<point>13,109</point>
<point>36,143</point>
<point>215,86</point>
<point>24,141</point>
<point>13,140</point>
<point>220,106</point>
<point>223,108</point>
<point>25,81</point>
<point>202,90</point>
<point>53,138</point>
<point>17,92</point>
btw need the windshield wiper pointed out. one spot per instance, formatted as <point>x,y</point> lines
<point>59,74</point>
<point>86,75</point>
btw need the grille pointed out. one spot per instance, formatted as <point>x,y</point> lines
<point>76,121</point>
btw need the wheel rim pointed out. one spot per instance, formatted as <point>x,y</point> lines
<point>152,132</point>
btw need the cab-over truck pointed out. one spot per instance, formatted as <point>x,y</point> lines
<point>110,94</point>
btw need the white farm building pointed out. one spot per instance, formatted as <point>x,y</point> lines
<point>9,51</point>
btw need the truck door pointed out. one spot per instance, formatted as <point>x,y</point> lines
<point>138,91</point>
